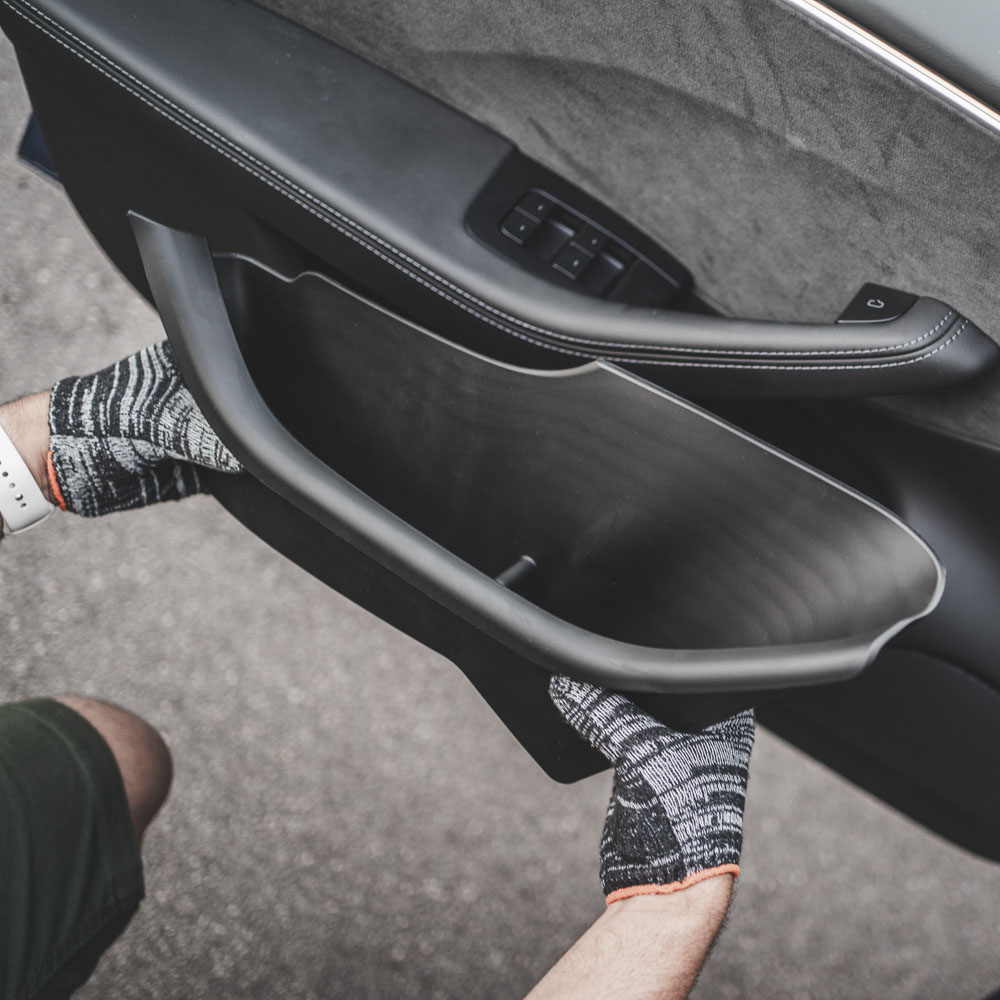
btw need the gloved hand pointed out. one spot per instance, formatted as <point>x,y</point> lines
<point>129,435</point>
<point>676,812</point>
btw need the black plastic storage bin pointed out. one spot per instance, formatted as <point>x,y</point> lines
<point>524,522</point>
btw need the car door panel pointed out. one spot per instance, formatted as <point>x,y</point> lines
<point>718,130</point>
<point>324,131</point>
<point>916,742</point>
<point>774,158</point>
<point>784,164</point>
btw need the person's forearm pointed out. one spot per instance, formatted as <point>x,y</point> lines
<point>643,948</point>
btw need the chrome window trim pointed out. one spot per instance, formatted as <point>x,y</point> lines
<point>908,66</point>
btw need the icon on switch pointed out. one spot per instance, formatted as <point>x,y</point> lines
<point>518,227</point>
<point>876,304</point>
<point>572,262</point>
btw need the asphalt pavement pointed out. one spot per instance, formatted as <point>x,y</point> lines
<point>348,817</point>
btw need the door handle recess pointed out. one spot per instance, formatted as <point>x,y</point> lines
<point>588,521</point>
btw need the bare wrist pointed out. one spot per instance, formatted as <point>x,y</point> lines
<point>709,895</point>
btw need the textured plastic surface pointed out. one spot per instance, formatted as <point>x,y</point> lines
<point>32,150</point>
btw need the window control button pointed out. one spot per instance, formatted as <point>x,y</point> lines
<point>590,238</point>
<point>518,227</point>
<point>536,205</point>
<point>572,261</point>
<point>551,237</point>
<point>601,274</point>
<point>619,253</point>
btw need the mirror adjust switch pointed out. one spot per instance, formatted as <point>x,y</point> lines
<point>518,227</point>
<point>876,304</point>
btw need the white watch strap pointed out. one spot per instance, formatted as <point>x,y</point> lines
<point>22,503</point>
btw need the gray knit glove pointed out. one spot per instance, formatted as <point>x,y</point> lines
<point>129,435</point>
<point>676,812</point>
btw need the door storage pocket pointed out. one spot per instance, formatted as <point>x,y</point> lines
<point>524,522</point>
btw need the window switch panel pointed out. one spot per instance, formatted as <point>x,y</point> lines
<point>557,232</point>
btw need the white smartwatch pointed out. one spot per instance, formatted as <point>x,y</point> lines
<point>22,503</point>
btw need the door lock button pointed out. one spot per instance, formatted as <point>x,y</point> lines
<point>876,304</point>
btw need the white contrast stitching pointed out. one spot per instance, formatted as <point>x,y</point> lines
<point>198,135</point>
<point>947,318</point>
<point>811,368</point>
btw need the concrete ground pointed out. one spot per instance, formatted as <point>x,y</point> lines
<point>348,817</point>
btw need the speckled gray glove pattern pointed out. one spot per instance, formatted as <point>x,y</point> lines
<point>130,435</point>
<point>676,812</point>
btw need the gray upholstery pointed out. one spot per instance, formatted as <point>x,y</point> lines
<point>782,166</point>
